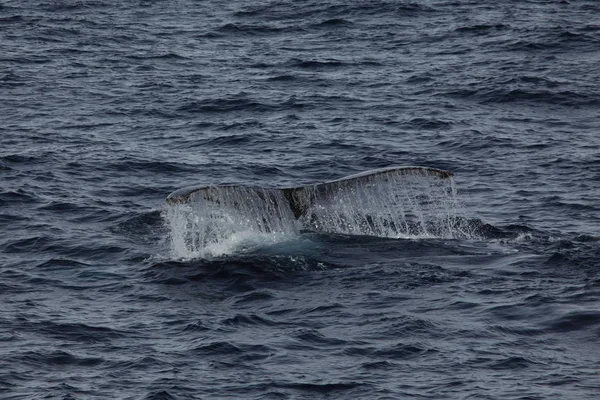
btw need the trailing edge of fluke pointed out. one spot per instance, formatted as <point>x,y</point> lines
<point>187,194</point>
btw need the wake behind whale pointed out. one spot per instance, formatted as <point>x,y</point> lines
<point>394,202</point>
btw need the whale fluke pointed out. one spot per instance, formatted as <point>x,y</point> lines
<point>394,202</point>
<point>294,195</point>
<point>302,198</point>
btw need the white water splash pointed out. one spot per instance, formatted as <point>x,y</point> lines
<point>226,220</point>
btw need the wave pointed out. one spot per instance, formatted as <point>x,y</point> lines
<point>507,94</point>
<point>223,105</point>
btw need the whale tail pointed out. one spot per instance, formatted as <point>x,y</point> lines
<point>389,202</point>
<point>294,194</point>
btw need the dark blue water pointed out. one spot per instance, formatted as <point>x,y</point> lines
<point>106,107</point>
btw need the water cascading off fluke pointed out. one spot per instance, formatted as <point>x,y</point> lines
<point>219,220</point>
<point>395,202</point>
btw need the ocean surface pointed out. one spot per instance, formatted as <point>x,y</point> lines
<point>106,107</point>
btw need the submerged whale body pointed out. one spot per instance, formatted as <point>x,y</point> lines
<point>394,202</point>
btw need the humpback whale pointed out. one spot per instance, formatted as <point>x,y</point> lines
<point>296,196</point>
<point>392,202</point>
